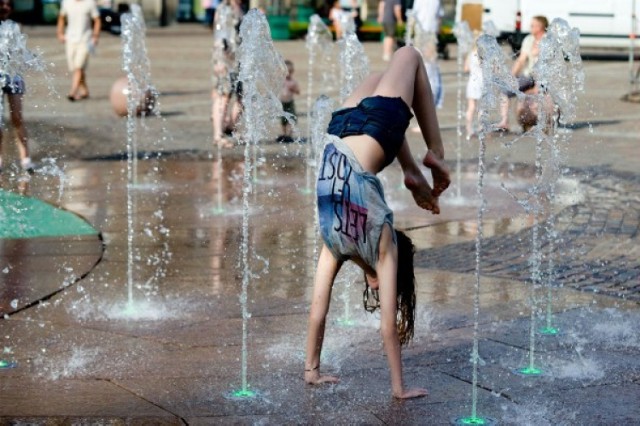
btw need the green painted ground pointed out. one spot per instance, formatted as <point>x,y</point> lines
<point>26,217</point>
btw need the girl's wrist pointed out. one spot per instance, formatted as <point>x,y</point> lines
<point>438,153</point>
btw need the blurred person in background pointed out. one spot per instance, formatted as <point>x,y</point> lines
<point>522,69</point>
<point>80,37</point>
<point>13,86</point>
<point>390,16</point>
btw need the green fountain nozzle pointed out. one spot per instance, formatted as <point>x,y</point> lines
<point>549,331</point>
<point>129,309</point>
<point>345,322</point>
<point>242,394</point>
<point>7,364</point>
<point>474,420</point>
<point>529,371</point>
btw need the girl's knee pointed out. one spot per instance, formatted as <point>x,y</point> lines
<point>408,53</point>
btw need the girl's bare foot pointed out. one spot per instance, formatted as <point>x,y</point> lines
<point>411,393</point>
<point>223,142</point>
<point>439,171</point>
<point>421,191</point>
<point>313,377</point>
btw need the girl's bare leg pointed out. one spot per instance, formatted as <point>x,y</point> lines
<point>387,272</point>
<point>471,111</point>
<point>505,103</point>
<point>218,113</point>
<point>364,89</point>
<point>417,93</point>
<point>407,78</point>
<point>236,110</point>
<point>15,106</point>
<point>328,268</point>
<point>397,81</point>
<point>214,125</point>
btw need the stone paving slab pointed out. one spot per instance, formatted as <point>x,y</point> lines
<point>94,398</point>
<point>63,260</point>
<point>582,250</point>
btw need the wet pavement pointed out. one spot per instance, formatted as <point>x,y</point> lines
<point>82,357</point>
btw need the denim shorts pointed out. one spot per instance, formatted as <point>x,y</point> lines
<point>12,85</point>
<point>384,119</point>
<point>524,83</point>
<point>352,211</point>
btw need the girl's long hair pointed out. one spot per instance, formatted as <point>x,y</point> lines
<point>406,292</point>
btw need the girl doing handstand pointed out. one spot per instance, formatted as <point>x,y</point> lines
<point>364,136</point>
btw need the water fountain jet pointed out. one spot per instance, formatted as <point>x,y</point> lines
<point>464,39</point>
<point>139,88</point>
<point>318,42</point>
<point>560,75</point>
<point>495,77</point>
<point>262,73</point>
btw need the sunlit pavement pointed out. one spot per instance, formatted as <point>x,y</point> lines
<point>84,350</point>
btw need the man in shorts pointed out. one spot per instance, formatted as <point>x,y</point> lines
<point>82,21</point>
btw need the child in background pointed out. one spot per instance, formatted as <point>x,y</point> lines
<point>225,73</point>
<point>335,16</point>
<point>474,88</point>
<point>289,89</point>
<point>13,86</point>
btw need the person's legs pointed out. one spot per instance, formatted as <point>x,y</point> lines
<point>328,267</point>
<point>471,112</point>
<point>15,108</point>
<point>505,103</point>
<point>382,84</point>
<point>407,78</point>
<point>219,111</point>
<point>387,48</point>
<point>236,110</point>
<point>210,17</point>
<point>77,58</point>
<point>70,53</point>
<point>83,89</point>
<point>76,79</point>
